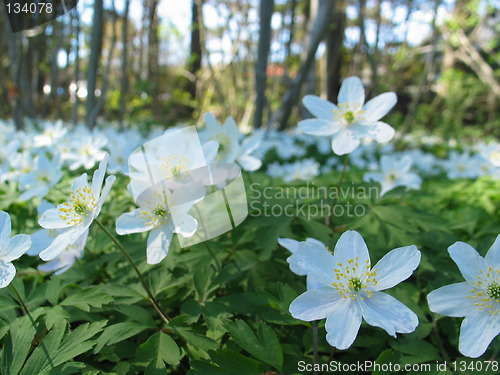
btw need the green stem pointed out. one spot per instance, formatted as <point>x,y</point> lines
<point>328,220</point>
<point>25,308</point>
<point>315,347</point>
<point>217,264</point>
<point>134,266</point>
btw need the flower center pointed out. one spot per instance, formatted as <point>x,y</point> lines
<point>159,211</point>
<point>355,284</point>
<point>486,291</point>
<point>224,145</point>
<point>81,202</point>
<point>493,290</point>
<point>349,116</point>
<point>348,113</point>
<point>353,280</point>
<point>174,165</point>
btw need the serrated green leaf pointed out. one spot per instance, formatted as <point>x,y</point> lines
<point>93,296</point>
<point>264,346</point>
<point>54,315</point>
<point>118,332</point>
<point>138,314</point>
<point>158,350</point>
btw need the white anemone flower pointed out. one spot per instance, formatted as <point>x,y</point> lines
<point>352,119</point>
<point>44,176</point>
<point>10,249</point>
<point>230,150</point>
<point>292,246</point>
<point>77,214</point>
<point>477,299</point>
<point>226,135</point>
<point>395,171</point>
<point>163,213</point>
<point>351,289</point>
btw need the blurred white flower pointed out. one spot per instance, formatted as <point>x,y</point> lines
<point>45,175</point>
<point>351,120</point>
<point>477,299</point>
<point>461,166</point>
<point>394,171</point>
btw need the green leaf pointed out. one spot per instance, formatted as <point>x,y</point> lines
<point>138,314</point>
<point>158,350</point>
<point>264,346</point>
<point>54,315</point>
<point>118,332</point>
<point>226,362</point>
<point>202,279</point>
<point>93,296</point>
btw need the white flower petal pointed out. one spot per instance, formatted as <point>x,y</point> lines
<point>158,243</point>
<point>477,332</point>
<point>5,228</point>
<point>16,247</point>
<point>451,300</point>
<point>185,225</point>
<point>315,304</point>
<point>320,108</point>
<point>468,260</point>
<point>350,248</point>
<point>133,222</point>
<point>104,194</point>
<point>249,163</point>
<point>397,265</point>
<point>352,91</point>
<point>210,149</point>
<point>251,143</point>
<point>344,142</point>
<point>342,325</point>
<point>312,283</point>
<point>40,240</point>
<point>493,254</point>
<point>317,262</point>
<point>379,106</point>
<point>384,311</point>
<point>7,273</point>
<point>296,266</point>
<point>317,126</point>
<point>60,243</point>
<point>289,244</point>
<point>51,219</point>
<point>80,182</point>
<point>98,177</point>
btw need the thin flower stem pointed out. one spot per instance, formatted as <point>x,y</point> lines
<point>315,347</point>
<point>152,299</point>
<point>217,264</point>
<point>328,220</point>
<point>25,308</point>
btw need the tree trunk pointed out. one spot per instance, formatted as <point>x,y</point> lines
<point>76,104</point>
<point>358,52</point>
<point>153,52</point>
<point>334,57</point>
<point>109,60</point>
<point>292,95</point>
<point>95,54</point>
<point>124,77</point>
<point>266,13</point>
